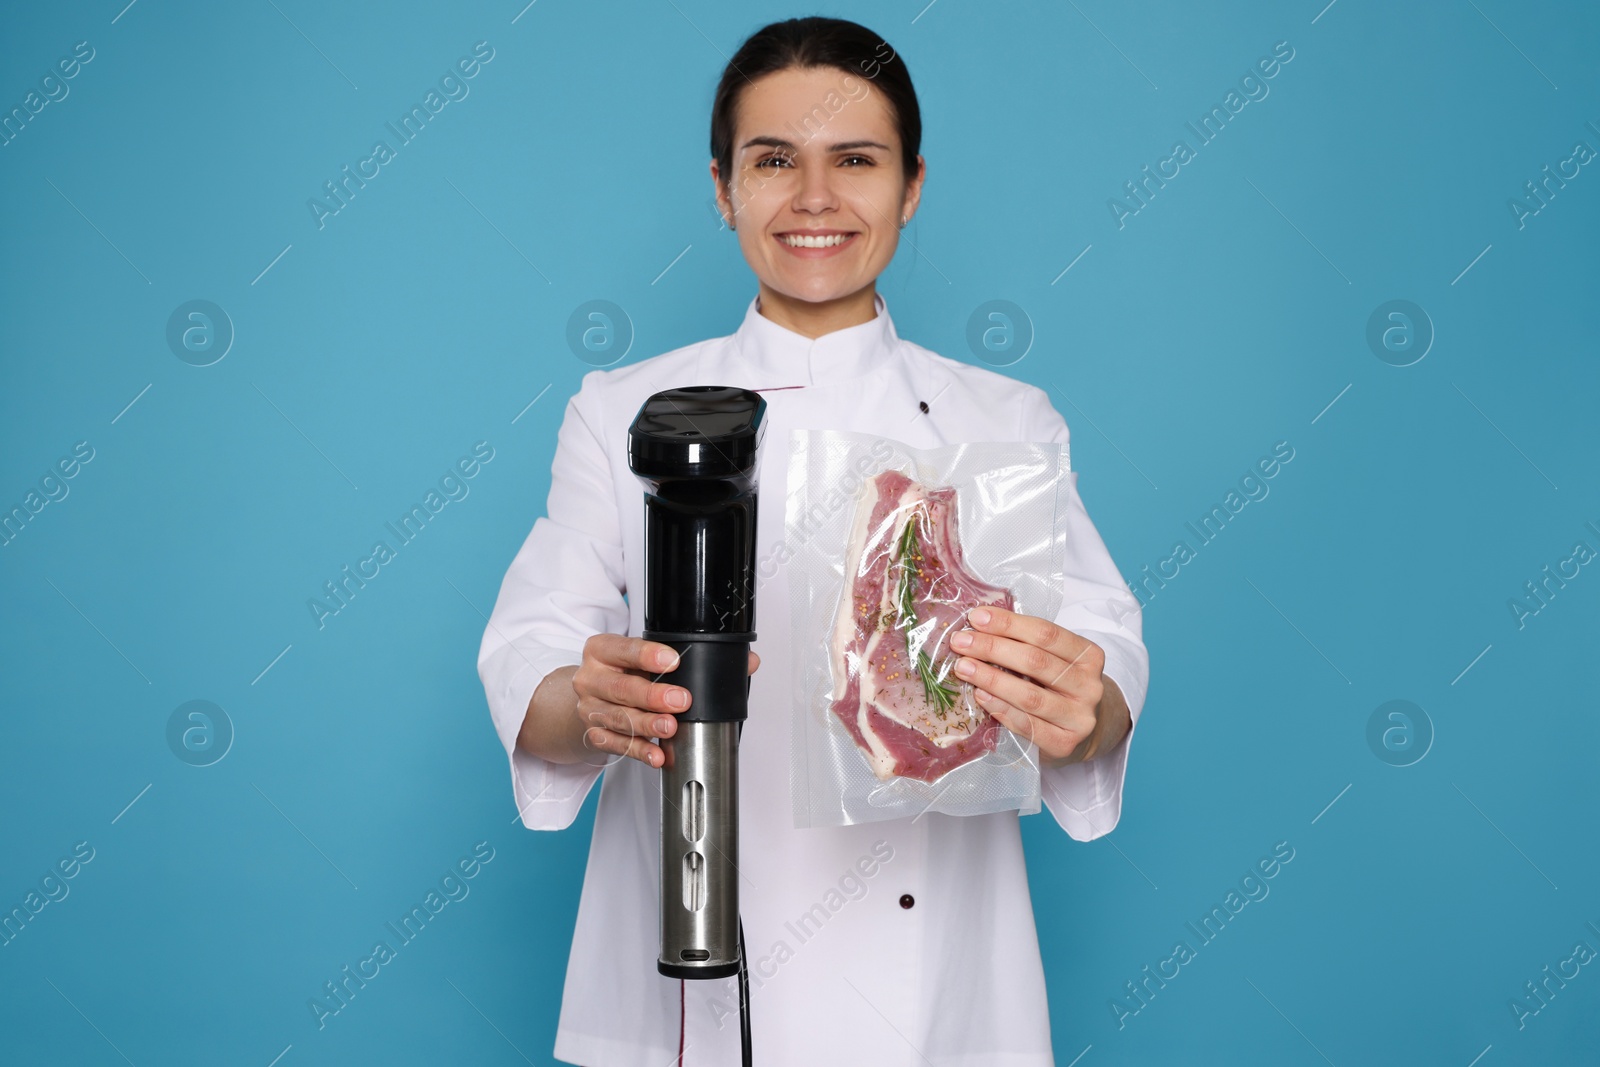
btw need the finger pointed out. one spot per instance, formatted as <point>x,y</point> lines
<point>1025,659</point>
<point>602,740</point>
<point>1051,738</point>
<point>1032,630</point>
<point>1053,708</point>
<point>633,691</point>
<point>755,662</point>
<point>628,721</point>
<point>1056,714</point>
<point>1018,722</point>
<point>633,653</point>
<point>1031,661</point>
<point>1023,694</point>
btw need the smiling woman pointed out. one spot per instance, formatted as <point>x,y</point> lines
<point>815,166</point>
<point>818,170</point>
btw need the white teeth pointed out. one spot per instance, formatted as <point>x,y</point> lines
<point>796,241</point>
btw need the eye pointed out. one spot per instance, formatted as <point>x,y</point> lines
<point>774,159</point>
<point>865,159</point>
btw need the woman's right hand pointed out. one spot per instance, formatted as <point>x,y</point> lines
<point>622,704</point>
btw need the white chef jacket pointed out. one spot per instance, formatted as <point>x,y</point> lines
<point>841,969</point>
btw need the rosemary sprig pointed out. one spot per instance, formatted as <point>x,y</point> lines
<point>940,696</point>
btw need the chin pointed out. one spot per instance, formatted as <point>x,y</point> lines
<point>815,290</point>
<point>816,296</point>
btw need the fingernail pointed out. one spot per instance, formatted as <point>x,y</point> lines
<point>979,615</point>
<point>961,640</point>
<point>965,667</point>
<point>678,699</point>
<point>667,660</point>
<point>663,725</point>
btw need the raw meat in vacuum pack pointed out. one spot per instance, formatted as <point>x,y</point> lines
<point>907,590</point>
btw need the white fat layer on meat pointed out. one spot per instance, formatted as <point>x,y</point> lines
<point>847,624</point>
<point>880,758</point>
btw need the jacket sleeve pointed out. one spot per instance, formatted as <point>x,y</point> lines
<point>1086,798</point>
<point>565,584</point>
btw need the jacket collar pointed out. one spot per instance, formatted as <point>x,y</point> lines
<point>781,357</point>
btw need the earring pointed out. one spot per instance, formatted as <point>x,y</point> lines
<point>903,221</point>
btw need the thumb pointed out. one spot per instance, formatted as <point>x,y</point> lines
<point>755,661</point>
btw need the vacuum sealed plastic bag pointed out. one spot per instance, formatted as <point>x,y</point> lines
<point>889,548</point>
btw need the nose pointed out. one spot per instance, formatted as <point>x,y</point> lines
<point>816,192</point>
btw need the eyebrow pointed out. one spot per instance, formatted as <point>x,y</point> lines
<point>841,146</point>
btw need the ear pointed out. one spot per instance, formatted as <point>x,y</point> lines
<point>724,205</point>
<point>914,189</point>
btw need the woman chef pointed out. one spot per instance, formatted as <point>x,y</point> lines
<point>903,942</point>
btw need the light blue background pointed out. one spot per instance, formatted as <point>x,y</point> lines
<point>1227,315</point>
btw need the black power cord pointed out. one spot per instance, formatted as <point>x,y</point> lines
<point>744,975</point>
<point>744,1001</point>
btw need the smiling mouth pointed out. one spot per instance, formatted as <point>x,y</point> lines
<point>797,240</point>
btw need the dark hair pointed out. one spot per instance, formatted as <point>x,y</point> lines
<point>816,41</point>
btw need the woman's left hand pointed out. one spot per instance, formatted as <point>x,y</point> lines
<point>1058,696</point>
